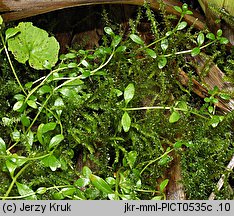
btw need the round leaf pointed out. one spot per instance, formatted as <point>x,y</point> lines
<point>44,89</point>
<point>121,49</point>
<point>1,20</point>
<point>69,191</point>
<point>116,40</point>
<point>33,44</point>
<point>131,158</point>
<point>110,180</point>
<point>48,127</point>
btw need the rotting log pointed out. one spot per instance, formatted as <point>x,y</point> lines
<point>18,9</point>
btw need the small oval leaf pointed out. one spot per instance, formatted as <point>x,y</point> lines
<point>126,122</point>
<point>55,141</point>
<point>151,53</point>
<point>162,62</point>
<point>200,39</point>
<point>109,31</point>
<point>129,93</point>
<point>2,146</point>
<point>174,117</point>
<point>195,51</point>
<point>32,104</point>
<point>136,39</point>
<point>18,105</point>
<point>210,36</point>
<point>24,190</point>
<point>181,25</point>
<point>100,184</point>
<point>163,185</point>
<point>86,172</point>
<point>164,44</point>
<point>178,9</point>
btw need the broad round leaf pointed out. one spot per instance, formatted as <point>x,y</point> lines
<point>25,120</point>
<point>68,191</point>
<point>1,20</point>
<point>116,40</point>
<point>86,172</point>
<point>121,49</point>
<point>34,45</point>
<point>48,127</point>
<point>44,89</point>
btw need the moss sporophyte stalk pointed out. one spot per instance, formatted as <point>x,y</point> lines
<point>112,121</point>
